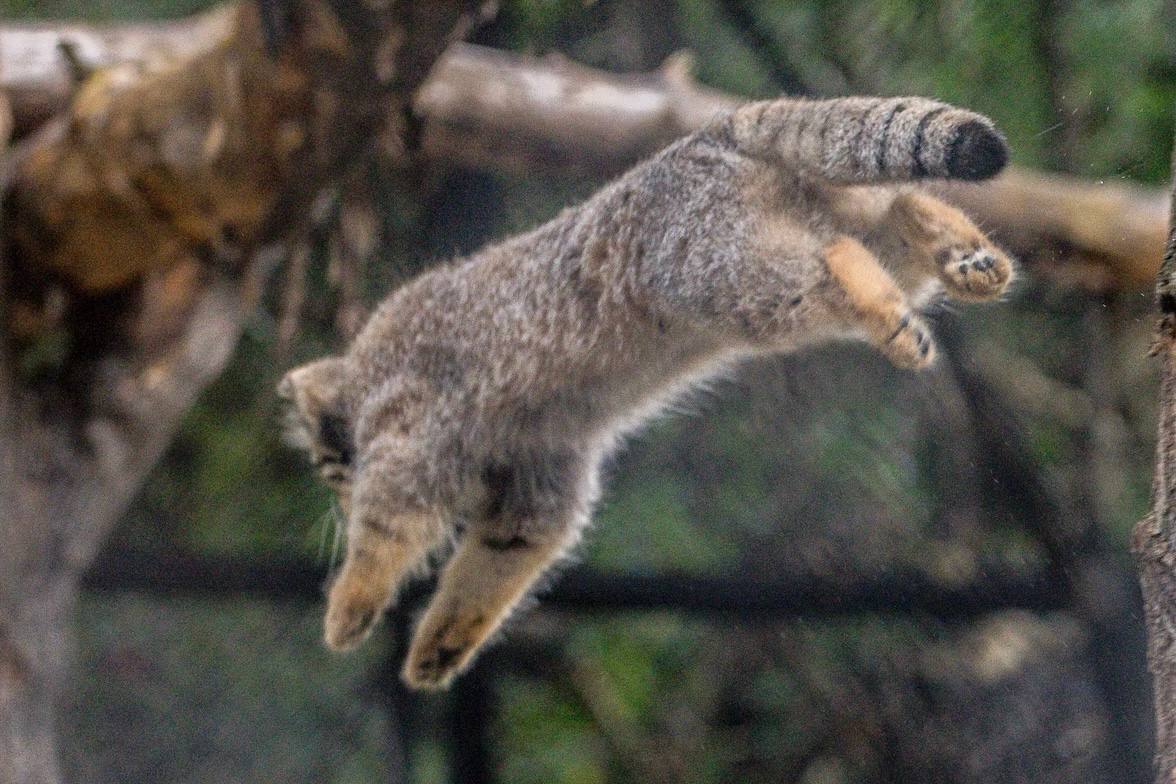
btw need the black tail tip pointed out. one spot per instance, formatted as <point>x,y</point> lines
<point>977,152</point>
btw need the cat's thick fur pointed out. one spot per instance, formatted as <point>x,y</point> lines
<point>484,394</point>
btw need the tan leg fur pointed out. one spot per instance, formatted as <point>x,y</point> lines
<point>879,304</point>
<point>946,241</point>
<point>377,562</point>
<point>479,588</point>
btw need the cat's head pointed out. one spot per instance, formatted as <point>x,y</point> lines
<point>318,420</point>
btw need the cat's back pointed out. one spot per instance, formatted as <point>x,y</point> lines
<point>496,319</point>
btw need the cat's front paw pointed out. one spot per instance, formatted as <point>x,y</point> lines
<point>442,650</point>
<point>352,612</point>
<point>975,273</point>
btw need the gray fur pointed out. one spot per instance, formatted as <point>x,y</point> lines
<point>487,391</point>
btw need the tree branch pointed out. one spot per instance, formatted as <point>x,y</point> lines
<point>501,111</point>
<point>1104,234</point>
<point>813,596</point>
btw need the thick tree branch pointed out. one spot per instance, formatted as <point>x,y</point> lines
<point>1101,234</point>
<point>505,112</point>
<point>501,111</point>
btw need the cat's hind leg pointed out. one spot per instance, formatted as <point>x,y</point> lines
<point>947,244</point>
<point>879,305</point>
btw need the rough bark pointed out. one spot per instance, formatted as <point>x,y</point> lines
<point>139,229</point>
<point>505,112</point>
<point>1155,536</point>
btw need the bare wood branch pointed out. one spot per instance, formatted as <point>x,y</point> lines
<point>496,110</point>
<point>499,110</point>
<point>1052,219</point>
<point>36,70</point>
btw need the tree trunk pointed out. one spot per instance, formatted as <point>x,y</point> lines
<point>34,660</point>
<point>139,231</point>
<point>1155,536</point>
<point>58,508</point>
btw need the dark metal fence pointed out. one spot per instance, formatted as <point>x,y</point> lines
<point>578,591</point>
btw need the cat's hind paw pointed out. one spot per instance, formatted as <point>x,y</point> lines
<point>878,306</point>
<point>967,263</point>
<point>977,273</point>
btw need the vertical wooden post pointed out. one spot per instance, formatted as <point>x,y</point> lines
<point>472,714</point>
<point>397,700</point>
<point>1155,536</point>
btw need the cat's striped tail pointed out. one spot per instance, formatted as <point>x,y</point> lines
<point>869,140</point>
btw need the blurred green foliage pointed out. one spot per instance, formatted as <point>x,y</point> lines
<point>811,464</point>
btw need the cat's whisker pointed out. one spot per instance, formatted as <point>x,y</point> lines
<point>337,541</point>
<point>326,519</point>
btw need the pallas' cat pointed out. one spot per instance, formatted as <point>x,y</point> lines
<point>482,396</point>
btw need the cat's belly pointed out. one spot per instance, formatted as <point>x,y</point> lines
<point>590,411</point>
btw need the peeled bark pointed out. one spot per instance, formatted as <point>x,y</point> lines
<point>139,231</point>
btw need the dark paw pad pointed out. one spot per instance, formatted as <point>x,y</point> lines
<point>435,669</point>
<point>979,275</point>
<point>923,341</point>
<point>910,345</point>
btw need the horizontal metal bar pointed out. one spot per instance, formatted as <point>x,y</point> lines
<point>585,590</point>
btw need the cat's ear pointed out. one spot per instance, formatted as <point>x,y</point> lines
<point>315,386</point>
<point>316,392</point>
